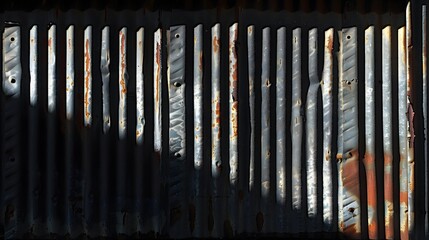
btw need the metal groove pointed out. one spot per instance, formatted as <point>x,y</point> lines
<point>33,65</point>
<point>123,83</point>
<point>105,77</point>
<point>52,82</point>
<point>88,76</point>
<point>157,78</point>
<point>140,86</point>
<point>70,72</point>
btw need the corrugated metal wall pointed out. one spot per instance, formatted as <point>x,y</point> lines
<point>214,123</point>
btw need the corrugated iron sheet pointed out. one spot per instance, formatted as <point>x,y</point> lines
<point>214,124</point>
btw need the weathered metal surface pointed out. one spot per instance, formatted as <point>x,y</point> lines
<point>87,93</point>
<point>402,134</point>
<point>105,77</point>
<point>157,78</point>
<point>12,61</point>
<point>123,84</point>
<point>251,73</point>
<point>296,123</point>
<point>177,129</point>
<point>425,115</point>
<point>349,166</point>
<point>140,86</point>
<point>70,72</point>
<point>52,79</point>
<point>311,123</point>
<point>369,158</point>
<point>326,86</point>
<point>33,65</point>
<point>387,132</point>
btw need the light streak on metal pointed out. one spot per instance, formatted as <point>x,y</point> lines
<point>233,105</point>
<point>402,134</point>
<point>251,72</point>
<point>157,78</point>
<point>69,72</point>
<point>296,121</point>
<point>52,79</point>
<point>265,114</point>
<point>340,137</point>
<point>425,115</point>
<point>311,123</point>
<point>105,76</point>
<point>177,131</point>
<point>216,161</point>
<point>87,93</point>
<point>123,83</point>
<point>387,132</point>
<point>410,122</point>
<point>369,157</point>
<point>326,86</point>
<point>12,61</point>
<point>281,118</point>
<point>349,159</point>
<point>140,121</point>
<point>33,65</point>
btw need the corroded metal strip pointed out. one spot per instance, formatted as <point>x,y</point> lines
<point>251,69</point>
<point>216,161</point>
<point>311,123</point>
<point>410,122</point>
<point>265,114</point>
<point>350,159</point>
<point>157,78</point>
<point>233,105</point>
<point>123,82</point>
<point>387,132</point>
<point>33,65</point>
<point>177,131</point>
<point>52,80</point>
<point>369,158</point>
<point>296,121</point>
<point>105,76</point>
<point>87,93</point>
<point>12,61</point>
<point>425,114</point>
<point>281,118</point>
<point>198,127</point>
<point>69,72</point>
<point>402,126</point>
<point>327,76</point>
<point>140,86</point>
<point>340,137</point>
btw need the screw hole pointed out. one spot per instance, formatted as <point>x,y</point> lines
<point>177,35</point>
<point>348,37</point>
<point>177,84</point>
<point>13,80</point>
<point>12,39</point>
<point>177,155</point>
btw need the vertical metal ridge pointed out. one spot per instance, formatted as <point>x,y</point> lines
<point>311,131</point>
<point>296,125</point>
<point>177,129</point>
<point>233,122</point>
<point>70,72</point>
<point>105,77</point>
<point>52,80</point>
<point>410,121</point>
<point>123,84</point>
<point>402,134</point>
<point>387,132</point>
<point>216,161</point>
<point>157,90</point>
<point>12,61</point>
<point>281,126</point>
<point>326,87</point>
<point>265,126</point>
<point>369,157</point>
<point>33,65</point>
<point>349,167</point>
<point>340,146</point>
<point>251,69</point>
<point>198,128</point>
<point>87,76</point>
<point>425,115</point>
<point>140,86</point>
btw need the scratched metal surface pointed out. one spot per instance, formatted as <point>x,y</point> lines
<point>207,123</point>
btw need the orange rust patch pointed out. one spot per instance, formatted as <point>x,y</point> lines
<point>330,43</point>
<point>122,81</point>
<point>200,63</point>
<point>351,173</point>
<point>158,70</point>
<point>351,231</point>
<point>88,72</point>
<point>49,42</point>
<point>215,44</point>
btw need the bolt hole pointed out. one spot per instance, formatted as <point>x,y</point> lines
<point>13,80</point>
<point>177,35</point>
<point>351,210</point>
<point>12,39</point>
<point>177,155</point>
<point>348,37</point>
<point>177,84</point>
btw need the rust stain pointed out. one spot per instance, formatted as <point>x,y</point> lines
<point>249,30</point>
<point>215,44</point>
<point>328,155</point>
<point>50,42</point>
<point>69,44</point>
<point>158,70</point>
<point>372,192</point>
<point>352,231</point>
<point>200,63</point>
<point>330,45</point>
<point>217,111</point>
<point>122,81</point>
<point>87,75</point>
